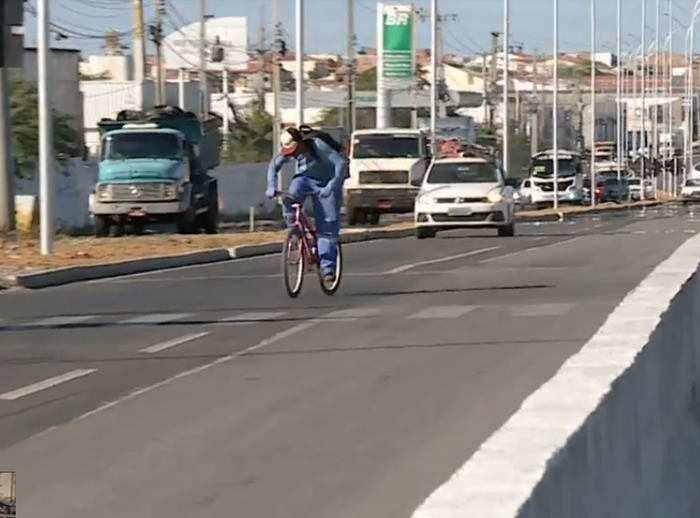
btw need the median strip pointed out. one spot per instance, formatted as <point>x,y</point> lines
<point>81,259</point>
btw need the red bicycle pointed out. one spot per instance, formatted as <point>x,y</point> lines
<point>300,250</point>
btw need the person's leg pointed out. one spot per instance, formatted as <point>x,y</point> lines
<point>298,190</point>
<point>326,212</point>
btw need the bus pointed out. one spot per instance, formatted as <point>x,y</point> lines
<point>540,184</point>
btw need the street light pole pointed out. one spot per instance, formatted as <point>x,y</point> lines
<point>433,70</point>
<point>593,101</point>
<point>46,149</point>
<point>555,105</point>
<point>644,96</point>
<point>506,85</point>
<point>618,94</point>
<point>300,61</point>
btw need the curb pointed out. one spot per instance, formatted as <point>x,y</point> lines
<point>72,274</point>
<point>592,212</point>
<point>91,272</point>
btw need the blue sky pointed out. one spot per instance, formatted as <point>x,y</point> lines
<point>531,21</point>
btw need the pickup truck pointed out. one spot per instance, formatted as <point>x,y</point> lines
<point>154,168</point>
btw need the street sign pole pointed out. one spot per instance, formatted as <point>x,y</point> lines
<point>396,60</point>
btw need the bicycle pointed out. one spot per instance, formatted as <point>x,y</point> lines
<point>302,239</point>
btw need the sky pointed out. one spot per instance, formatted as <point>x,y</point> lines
<point>532,22</point>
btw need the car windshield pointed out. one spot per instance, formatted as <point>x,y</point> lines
<point>124,146</point>
<point>463,172</point>
<point>613,182</point>
<point>545,167</point>
<point>386,146</point>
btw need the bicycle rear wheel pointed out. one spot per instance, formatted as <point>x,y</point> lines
<point>293,262</point>
<point>332,287</point>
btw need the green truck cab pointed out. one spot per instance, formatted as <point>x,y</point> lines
<point>154,168</point>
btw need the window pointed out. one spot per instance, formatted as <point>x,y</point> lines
<point>463,172</point>
<point>141,144</point>
<point>386,146</point>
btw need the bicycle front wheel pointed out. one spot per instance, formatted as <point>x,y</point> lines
<point>293,262</point>
<point>329,288</point>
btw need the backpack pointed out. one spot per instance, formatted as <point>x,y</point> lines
<point>308,133</point>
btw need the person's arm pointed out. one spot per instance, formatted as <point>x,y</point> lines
<point>338,161</point>
<point>274,169</point>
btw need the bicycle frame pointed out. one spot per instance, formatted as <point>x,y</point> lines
<point>306,231</point>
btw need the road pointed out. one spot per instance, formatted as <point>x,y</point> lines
<point>204,391</point>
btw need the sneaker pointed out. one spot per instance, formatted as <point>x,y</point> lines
<point>329,277</point>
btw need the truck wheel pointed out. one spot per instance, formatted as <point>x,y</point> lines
<point>101,226</point>
<point>137,228</point>
<point>209,220</point>
<point>373,218</point>
<point>357,217</point>
<point>186,222</point>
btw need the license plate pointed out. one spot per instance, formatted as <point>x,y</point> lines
<point>136,213</point>
<point>459,211</point>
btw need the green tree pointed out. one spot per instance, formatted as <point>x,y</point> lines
<point>250,135</point>
<point>24,117</point>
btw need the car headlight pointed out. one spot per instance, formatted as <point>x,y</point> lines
<point>425,200</point>
<point>495,197</point>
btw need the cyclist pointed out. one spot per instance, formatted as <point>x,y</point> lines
<point>321,172</point>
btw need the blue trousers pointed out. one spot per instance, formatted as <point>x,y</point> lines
<point>326,213</point>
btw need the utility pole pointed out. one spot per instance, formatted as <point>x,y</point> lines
<point>486,82</point>
<point>139,43</point>
<point>276,87</point>
<point>350,76</point>
<point>260,87</point>
<point>442,90</point>
<point>419,15</point>
<point>203,80</point>
<point>493,77</point>
<point>535,108</point>
<point>155,31</point>
<point>7,213</point>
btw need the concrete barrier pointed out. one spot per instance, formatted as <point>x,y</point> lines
<point>615,433</point>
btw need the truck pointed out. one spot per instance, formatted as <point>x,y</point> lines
<point>154,168</point>
<point>386,170</point>
<point>539,187</point>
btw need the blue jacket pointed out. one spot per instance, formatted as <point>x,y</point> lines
<point>330,166</point>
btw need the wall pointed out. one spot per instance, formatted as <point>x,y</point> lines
<point>240,186</point>
<point>615,433</point>
<point>64,80</point>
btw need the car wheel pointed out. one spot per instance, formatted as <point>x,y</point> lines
<point>425,233</point>
<point>507,230</point>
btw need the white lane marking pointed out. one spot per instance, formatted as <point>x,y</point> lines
<point>405,267</point>
<point>156,348</point>
<point>58,321</point>
<point>348,315</point>
<point>443,312</point>
<point>541,310</point>
<point>157,318</point>
<point>45,384</point>
<point>252,318</point>
<point>219,361</point>
<point>531,249</point>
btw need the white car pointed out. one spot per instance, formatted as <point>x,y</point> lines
<point>464,192</point>
<point>690,193</point>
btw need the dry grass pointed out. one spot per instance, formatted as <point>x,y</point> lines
<point>23,253</point>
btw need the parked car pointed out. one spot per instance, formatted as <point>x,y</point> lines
<point>615,190</point>
<point>635,186</point>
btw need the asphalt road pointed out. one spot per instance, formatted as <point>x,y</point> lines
<point>264,407</point>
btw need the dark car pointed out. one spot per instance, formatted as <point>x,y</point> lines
<point>615,190</point>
